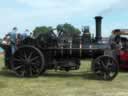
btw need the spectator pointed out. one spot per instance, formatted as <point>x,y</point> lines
<point>18,40</point>
<point>13,36</point>
<point>25,34</point>
<point>114,40</point>
<point>115,44</point>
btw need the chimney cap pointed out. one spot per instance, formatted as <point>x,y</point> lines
<point>98,17</point>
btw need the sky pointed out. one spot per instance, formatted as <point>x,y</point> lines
<point>28,14</point>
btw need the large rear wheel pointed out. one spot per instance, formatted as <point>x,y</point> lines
<point>27,61</point>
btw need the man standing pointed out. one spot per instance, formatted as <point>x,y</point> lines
<point>114,40</point>
<point>115,43</point>
<point>13,36</point>
<point>25,34</point>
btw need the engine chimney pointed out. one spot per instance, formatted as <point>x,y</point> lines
<point>98,27</point>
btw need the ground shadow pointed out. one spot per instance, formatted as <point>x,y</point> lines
<point>7,73</point>
<point>123,70</point>
<point>83,75</point>
<point>86,75</point>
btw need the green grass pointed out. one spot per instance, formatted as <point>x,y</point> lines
<point>74,83</point>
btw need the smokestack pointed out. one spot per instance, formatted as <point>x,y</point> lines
<point>98,27</point>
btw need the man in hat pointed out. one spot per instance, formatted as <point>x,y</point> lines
<point>13,36</point>
<point>25,34</point>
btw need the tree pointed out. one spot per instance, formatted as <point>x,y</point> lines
<point>41,30</point>
<point>68,30</point>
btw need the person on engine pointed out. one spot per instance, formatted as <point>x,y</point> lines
<point>25,34</point>
<point>13,36</point>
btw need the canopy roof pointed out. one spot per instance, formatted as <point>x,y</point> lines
<point>120,31</point>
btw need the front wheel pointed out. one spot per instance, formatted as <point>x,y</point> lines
<point>105,67</point>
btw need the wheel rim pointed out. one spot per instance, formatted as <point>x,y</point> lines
<point>105,67</point>
<point>27,61</point>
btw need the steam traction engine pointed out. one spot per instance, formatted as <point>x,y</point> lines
<point>51,51</point>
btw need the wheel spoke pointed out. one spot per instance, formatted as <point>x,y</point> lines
<point>34,58</point>
<point>102,63</point>
<point>23,73</point>
<point>30,55</point>
<point>109,63</point>
<point>98,63</point>
<point>35,66</point>
<point>98,72</point>
<point>18,67</point>
<point>20,57</point>
<point>35,69</point>
<point>25,55</point>
<point>16,59</point>
<point>107,76</point>
<point>111,74</point>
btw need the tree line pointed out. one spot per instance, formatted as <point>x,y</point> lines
<point>68,30</point>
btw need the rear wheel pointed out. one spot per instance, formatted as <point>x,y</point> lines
<point>27,61</point>
<point>105,67</point>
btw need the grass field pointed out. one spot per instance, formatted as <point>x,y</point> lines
<point>74,83</point>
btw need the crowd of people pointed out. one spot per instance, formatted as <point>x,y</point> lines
<point>13,38</point>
